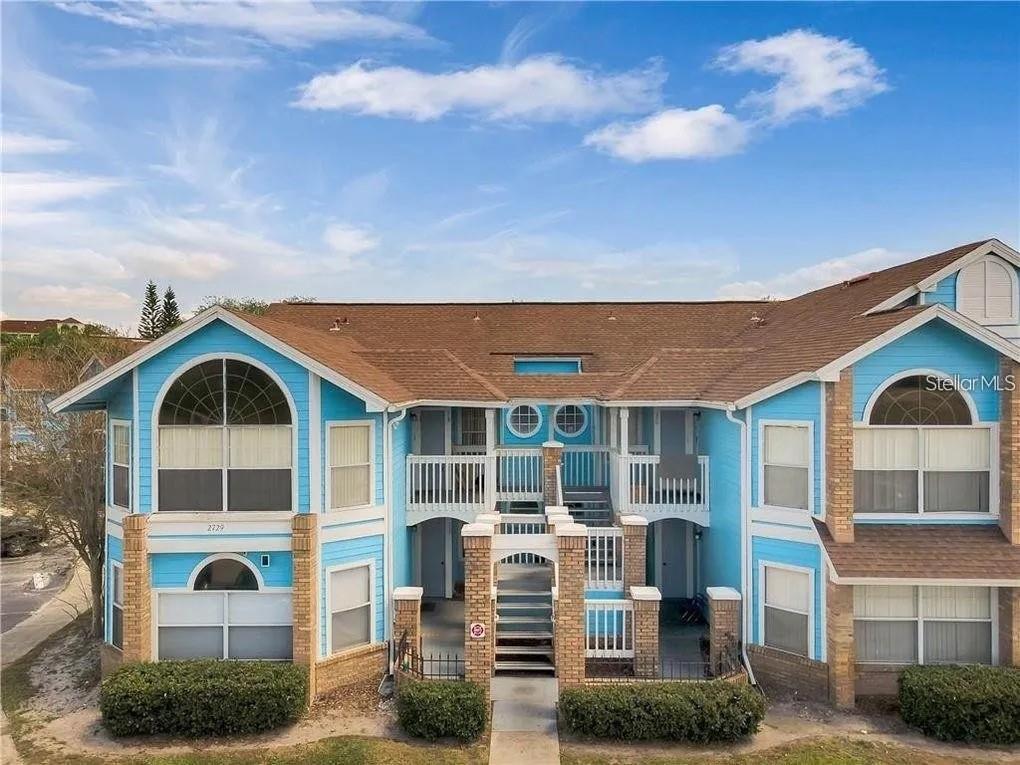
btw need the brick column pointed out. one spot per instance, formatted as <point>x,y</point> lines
<point>1009,626</point>
<point>407,615</point>
<point>1009,451</point>
<point>478,651</point>
<point>635,546</point>
<point>840,641</point>
<point>552,456</point>
<point>724,614</point>
<point>137,639</point>
<point>305,593</point>
<point>569,629</point>
<point>646,630</point>
<point>839,457</point>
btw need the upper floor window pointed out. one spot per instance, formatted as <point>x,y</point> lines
<point>350,465</point>
<point>225,440</point>
<point>786,465</point>
<point>570,420</point>
<point>921,452</point>
<point>472,427</point>
<point>986,292</point>
<point>122,465</point>
<point>524,420</point>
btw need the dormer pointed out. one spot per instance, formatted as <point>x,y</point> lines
<point>987,292</point>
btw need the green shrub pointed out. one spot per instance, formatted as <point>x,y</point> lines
<point>971,703</point>
<point>442,709</point>
<point>203,698</point>
<point>701,712</point>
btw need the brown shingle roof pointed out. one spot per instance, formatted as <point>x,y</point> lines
<point>32,374</point>
<point>904,551</point>
<point>34,325</point>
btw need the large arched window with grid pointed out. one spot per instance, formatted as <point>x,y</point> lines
<point>225,440</point>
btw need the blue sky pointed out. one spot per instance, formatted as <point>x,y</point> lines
<point>495,151</point>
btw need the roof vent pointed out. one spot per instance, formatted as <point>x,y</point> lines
<point>757,320</point>
<point>856,280</point>
<point>477,317</point>
<point>339,323</point>
<point>611,317</point>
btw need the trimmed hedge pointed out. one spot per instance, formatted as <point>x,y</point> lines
<point>202,698</point>
<point>701,712</point>
<point>441,709</point>
<point>963,703</point>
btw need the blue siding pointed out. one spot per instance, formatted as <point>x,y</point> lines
<point>338,404</point>
<point>546,367</point>
<point>119,407</point>
<point>720,544</point>
<point>353,551</point>
<point>764,550</point>
<point>936,346</point>
<point>217,337</point>
<point>802,403</point>
<point>174,569</point>
<point>545,430</point>
<point>400,534</point>
<point>944,293</point>
<point>114,553</point>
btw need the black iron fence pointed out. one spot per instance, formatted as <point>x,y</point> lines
<point>431,666</point>
<point>662,669</point>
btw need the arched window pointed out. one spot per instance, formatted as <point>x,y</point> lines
<point>922,452</point>
<point>986,292</point>
<point>226,574</point>
<point>225,440</point>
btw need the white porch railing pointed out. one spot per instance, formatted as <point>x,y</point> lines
<point>518,474</point>
<point>521,523</point>
<point>609,629</point>
<point>468,449</point>
<point>446,483</point>
<point>646,491</point>
<point>604,558</point>
<point>586,466</point>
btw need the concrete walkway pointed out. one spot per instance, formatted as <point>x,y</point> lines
<point>524,721</point>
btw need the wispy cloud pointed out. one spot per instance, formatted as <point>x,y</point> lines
<point>95,298</point>
<point>460,216</point>
<point>674,134</point>
<point>24,143</point>
<point>539,88</point>
<point>165,57</point>
<point>36,198</point>
<point>347,241</point>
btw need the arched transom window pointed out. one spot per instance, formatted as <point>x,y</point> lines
<point>922,452</point>
<point>225,440</point>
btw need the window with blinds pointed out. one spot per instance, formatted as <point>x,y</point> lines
<point>350,465</point>
<point>350,606</point>
<point>787,609</point>
<point>122,465</point>
<point>117,605</point>
<point>472,427</point>
<point>985,291</point>
<point>923,625</point>
<point>786,459</point>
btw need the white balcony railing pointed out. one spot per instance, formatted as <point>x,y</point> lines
<point>518,474</point>
<point>586,467</point>
<point>609,629</point>
<point>604,558</point>
<point>648,492</point>
<point>450,483</point>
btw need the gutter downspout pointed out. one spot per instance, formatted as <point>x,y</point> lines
<point>388,518</point>
<point>745,538</point>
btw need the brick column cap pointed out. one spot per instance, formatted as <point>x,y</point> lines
<point>477,530</point>
<point>722,593</point>
<point>556,510</point>
<point>552,445</point>
<point>570,530</point>
<point>487,518</point>
<point>645,593</point>
<point>633,520</point>
<point>408,593</point>
<point>557,521</point>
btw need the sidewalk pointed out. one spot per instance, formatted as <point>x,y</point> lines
<point>524,721</point>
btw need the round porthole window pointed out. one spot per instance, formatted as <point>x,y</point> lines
<point>524,420</point>
<point>570,420</point>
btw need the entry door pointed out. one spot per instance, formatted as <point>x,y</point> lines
<point>672,432</point>
<point>672,551</point>
<point>432,427</point>
<point>433,557</point>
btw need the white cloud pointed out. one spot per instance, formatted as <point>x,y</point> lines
<point>349,241</point>
<point>165,58</point>
<point>96,298</point>
<point>538,88</point>
<point>294,24</point>
<point>44,262</point>
<point>23,143</point>
<point>29,198</point>
<point>674,134</point>
<point>813,277</point>
<point>815,73</point>
<point>365,191</point>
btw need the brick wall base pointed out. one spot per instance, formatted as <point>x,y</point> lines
<point>876,680</point>
<point>350,667</point>
<point>1009,626</point>
<point>781,673</point>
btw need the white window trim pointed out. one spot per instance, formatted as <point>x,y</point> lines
<point>584,421</point>
<point>762,565</point>
<point>330,424</point>
<point>517,433</point>
<point>812,448</point>
<point>920,619</point>
<point>984,320</point>
<point>114,424</point>
<point>155,426</point>
<point>919,512</point>
<point>114,567</point>
<point>328,573</point>
<point>916,372</point>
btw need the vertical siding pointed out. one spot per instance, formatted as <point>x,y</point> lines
<point>935,346</point>
<point>802,403</point>
<point>174,569</point>
<point>765,550</point>
<point>217,337</point>
<point>720,544</point>
<point>400,534</point>
<point>338,404</point>
<point>352,551</point>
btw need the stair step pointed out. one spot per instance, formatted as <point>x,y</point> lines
<point>523,666</point>
<point>525,650</point>
<point>517,592</point>
<point>524,635</point>
<point>522,620</point>
<point>524,606</point>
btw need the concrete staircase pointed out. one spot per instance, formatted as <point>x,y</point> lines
<point>591,507</point>
<point>524,628</point>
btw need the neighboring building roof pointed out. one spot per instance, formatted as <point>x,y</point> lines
<point>34,326</point>
<point>906,551</point>
<point>29,374</point>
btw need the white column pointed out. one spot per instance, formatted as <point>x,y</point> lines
<point>490,460</point>
<point>624,430</point>
<point>624,471</point>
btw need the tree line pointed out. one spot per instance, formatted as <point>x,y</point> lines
<point>158,318</point>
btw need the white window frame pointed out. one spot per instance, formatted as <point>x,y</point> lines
<point>330,424</point>
<point>920,619</point>
<point>810,426</point>
<point>584,421</point>
<point>993,473</point>
<point>762,593</point>
<point>556,359</point>
<point>328,573</point>
<point>115,567</point>
<point>520,434</point>
<point>114,424</point>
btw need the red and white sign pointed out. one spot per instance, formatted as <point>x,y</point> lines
<point>476,630</point>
